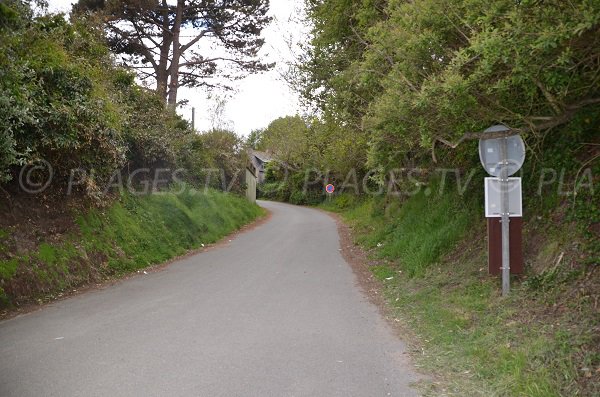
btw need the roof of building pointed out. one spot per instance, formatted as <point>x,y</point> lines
<point>262,156</point>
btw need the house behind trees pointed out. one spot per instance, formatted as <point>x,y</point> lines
<point>258,161</point>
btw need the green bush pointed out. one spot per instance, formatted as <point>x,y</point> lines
<point>51,102</point>
<point>64,100</point>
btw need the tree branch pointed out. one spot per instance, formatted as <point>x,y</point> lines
<point>549,97</point>
<point>208,60</point>
<point>553,122</point>
<point>194,41</point>
<point>147,53</point>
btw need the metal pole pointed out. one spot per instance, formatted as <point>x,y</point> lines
<point>193,119</point>
<point>505,219</point>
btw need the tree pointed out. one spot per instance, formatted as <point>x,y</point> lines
<point>166,43</point>
<point>287,138</point>
<point>405,74</point>
<point>215,158</point>
<point>254,139</point>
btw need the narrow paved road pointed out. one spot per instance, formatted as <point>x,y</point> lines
<point>275,312</point>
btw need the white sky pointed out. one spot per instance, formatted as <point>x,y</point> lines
<point>258,99</point>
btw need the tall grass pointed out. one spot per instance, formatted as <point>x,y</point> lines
<point>141,231</point>
<point>416,230</point>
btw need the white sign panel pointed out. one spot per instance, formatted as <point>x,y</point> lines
<point>493,198</point>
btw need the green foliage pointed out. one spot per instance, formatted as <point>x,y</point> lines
<point>397,74</point>
<point>418,230</point>
<point>8,16</point>
<point>308,153</point>
<point>287,138</point>
<point>50,105</point>
<point>253,140</point>
<point>62,99</point>
<point>215,159</point>
<point>8,268</point>
<point>342,202</point>
<point>297,187</point>
<point>153,134</point>
<point>151,229</point>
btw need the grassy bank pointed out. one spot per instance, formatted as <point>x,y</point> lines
<point>430,253</point>
<point>91,245</point>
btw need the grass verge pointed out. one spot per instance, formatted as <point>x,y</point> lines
<point>133,233</point>
<point>429,252</point>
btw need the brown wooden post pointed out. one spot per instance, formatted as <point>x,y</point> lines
<point>495,245</point>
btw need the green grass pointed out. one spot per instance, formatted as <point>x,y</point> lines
<point>133,233</point>
<point>8,268</point>
<point>151,229</point>
<point>430,253</point>
<point>477,341</point>
<point>419,230</point>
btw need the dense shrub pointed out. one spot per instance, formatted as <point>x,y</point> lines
<point>215,158</point>
<point>53,102</point>
<point>64,100</point>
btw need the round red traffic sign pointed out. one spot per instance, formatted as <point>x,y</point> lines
<point>330,188</point>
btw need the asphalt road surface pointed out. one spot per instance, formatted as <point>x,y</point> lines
<point>275,312</point>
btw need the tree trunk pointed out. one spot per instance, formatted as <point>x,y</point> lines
<point>174,68</point>
<point>162,73</point>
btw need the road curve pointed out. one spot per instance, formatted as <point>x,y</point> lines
<point>275,312</point>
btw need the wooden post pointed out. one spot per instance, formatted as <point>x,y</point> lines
<point>495,246</point>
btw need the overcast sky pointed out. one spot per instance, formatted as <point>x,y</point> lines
<point>258,99</point>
